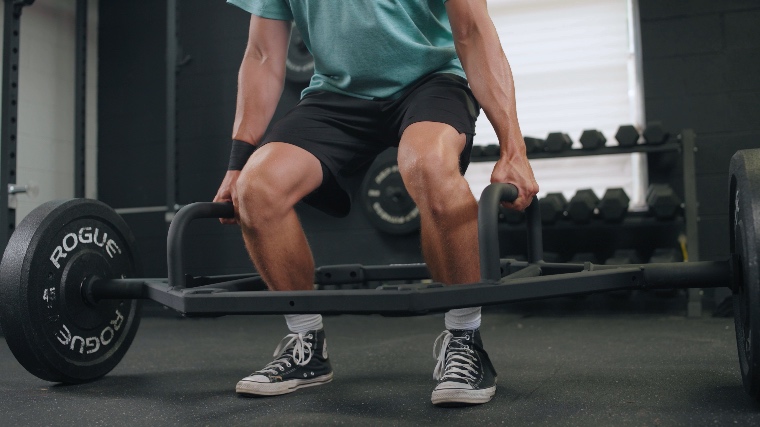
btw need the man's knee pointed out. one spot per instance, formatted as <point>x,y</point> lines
<point>422,166</point>
<point>429,149</point>
<point>428,161</point>
<point>259,197</point>
<point>273,181</point>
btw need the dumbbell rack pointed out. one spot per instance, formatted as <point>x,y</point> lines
<point>682,144</point>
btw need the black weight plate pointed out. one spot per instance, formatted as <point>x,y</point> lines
<point>299,66</point>
<point>51,330</point>
<point>744,208</point>
<point>388,205</point>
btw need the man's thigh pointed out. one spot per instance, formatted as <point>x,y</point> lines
<point>341,132</point>
<point>440,109</point>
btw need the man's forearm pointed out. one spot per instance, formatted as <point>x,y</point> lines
<point>260,84</point>
<point>490,79</point>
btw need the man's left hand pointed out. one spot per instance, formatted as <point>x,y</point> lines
<point>515,169</point>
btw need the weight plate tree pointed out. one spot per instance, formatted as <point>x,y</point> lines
<point>388,205</point>
<point>50,327</point>
<point>744,209</point>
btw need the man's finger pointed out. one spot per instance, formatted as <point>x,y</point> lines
<point>520,204</point>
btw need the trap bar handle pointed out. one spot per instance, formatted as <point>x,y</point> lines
<point>488,229</point>
<point>175,239</point>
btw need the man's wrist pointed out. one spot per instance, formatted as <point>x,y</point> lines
<point>512,145</point>
<point>239,154</point>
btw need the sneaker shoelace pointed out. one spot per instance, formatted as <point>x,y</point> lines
<point>300,353</point>
<point>456,360</point>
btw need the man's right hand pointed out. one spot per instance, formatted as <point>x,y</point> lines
<point>228,193</point>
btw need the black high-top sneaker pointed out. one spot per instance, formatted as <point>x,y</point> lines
<point>464,372</point>
<point>300,361</point>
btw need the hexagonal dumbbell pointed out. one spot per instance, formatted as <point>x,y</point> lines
<point>582,205</point>
<point>491,150</point>
<point>655,133</point>
<point>476,152</point>
<point>592,139</point>
<point>627,136</point>
<point>534,145</point>
<point>614,205</point>
<point>552,208</point>
<point>663,202</point>
<point>558,141</point>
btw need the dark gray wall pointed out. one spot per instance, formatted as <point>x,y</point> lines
<point>132,157</point>
<point>131,118</point>
<point>701,71</point>
<point>132,121</point>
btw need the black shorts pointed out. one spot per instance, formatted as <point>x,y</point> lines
<point>347,133</point>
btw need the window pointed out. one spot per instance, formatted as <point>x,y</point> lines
<point>575,67</point>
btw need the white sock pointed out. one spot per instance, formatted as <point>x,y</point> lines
<point>463,318</point>
<point>302,323</point>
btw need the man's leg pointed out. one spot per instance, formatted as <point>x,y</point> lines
<point>276,177</point>
<point>429,165</point>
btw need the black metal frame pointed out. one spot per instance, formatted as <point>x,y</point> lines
<point>10,82</point>
<point>503,280</point>
<point>80,99</point>
<point>671,145</point>
<point>688,140</point>
<point>172,68</point>
<point>9,112</point>
<point>227,295</point>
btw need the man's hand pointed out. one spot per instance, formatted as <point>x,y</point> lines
<point>228,193</point>
<point>516,170</point>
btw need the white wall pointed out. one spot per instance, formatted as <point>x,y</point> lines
<point>46,102</point>
<point>571,61</point>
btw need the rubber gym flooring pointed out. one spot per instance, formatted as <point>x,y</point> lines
<point>599,360</point>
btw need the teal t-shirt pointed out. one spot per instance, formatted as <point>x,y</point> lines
<point>369,49</point>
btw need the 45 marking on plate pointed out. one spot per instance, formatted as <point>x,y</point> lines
<point>49,296</point>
